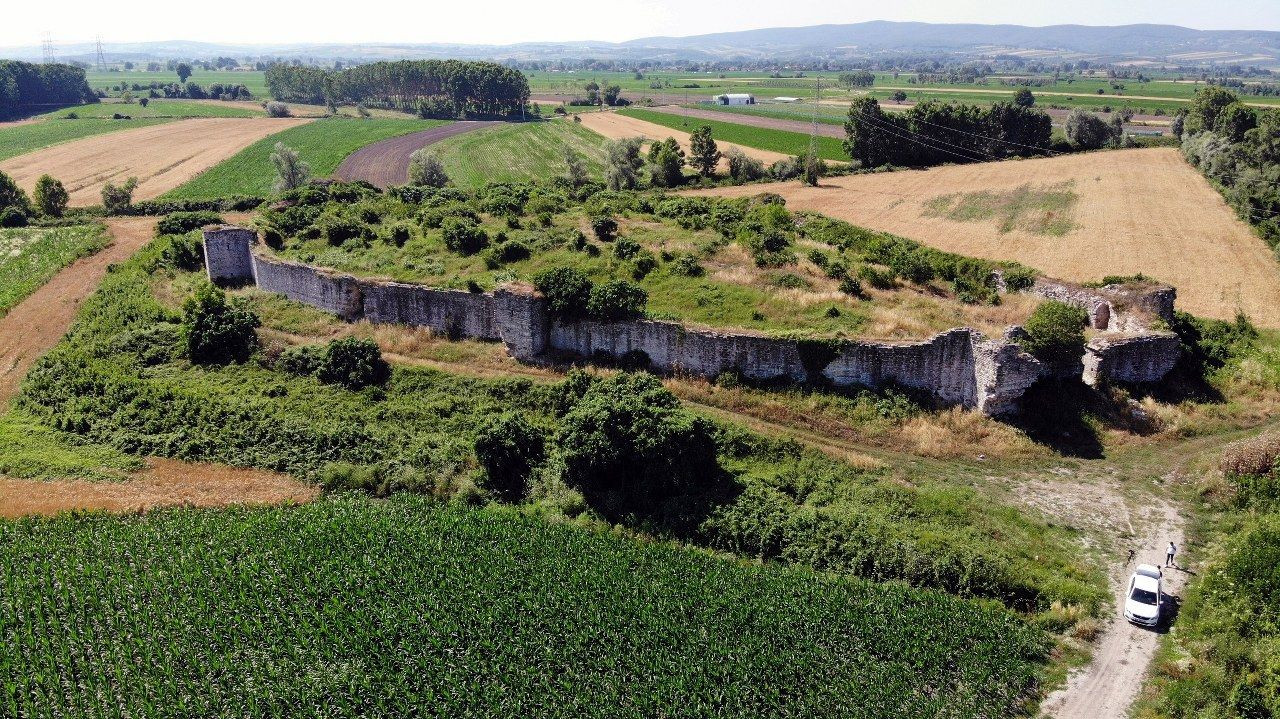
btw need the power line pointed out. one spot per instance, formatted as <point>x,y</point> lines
<point>102,60</point>
<point>46,44</point>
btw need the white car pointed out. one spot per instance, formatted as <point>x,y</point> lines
<point>1144,600</point>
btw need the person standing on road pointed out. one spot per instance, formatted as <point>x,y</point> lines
<point>1168,555</point>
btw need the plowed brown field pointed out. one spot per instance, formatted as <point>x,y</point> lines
<point>160,156</point>
<point>1143,210</point>
<point>387,162</point>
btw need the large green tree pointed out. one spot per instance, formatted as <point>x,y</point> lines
<point>704,154</point>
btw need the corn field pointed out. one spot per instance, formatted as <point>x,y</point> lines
<point>353,607</point>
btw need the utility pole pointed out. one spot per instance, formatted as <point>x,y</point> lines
<point>102,60</point>
<point>47,46</point>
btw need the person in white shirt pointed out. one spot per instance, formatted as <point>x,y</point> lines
<point>1168,555</point>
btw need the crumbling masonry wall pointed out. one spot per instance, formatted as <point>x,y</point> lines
<point>959,367</point>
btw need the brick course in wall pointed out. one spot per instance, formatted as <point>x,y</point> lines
<point>958,367</point>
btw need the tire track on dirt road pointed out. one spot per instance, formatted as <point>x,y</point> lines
<point>386,163</point>
<point>36,324</point>
<point>1110,683</point>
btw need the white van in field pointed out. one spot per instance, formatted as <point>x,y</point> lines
<point>1144,600</point>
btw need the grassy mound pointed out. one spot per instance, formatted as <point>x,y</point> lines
<point>517,153</point>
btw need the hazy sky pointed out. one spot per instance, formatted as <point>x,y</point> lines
<point>506,21</point>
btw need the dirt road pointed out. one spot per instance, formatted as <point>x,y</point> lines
<point>1143,210</point>
<point>615,127</point>
<point>386,163</point>
<point>162,157</point>
<point>1107,687</point>
<point>33,327</point>
<point>37,323</point>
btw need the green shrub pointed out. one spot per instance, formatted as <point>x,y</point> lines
<point>301,360</point>
<point>1055,332</point>
<point>338,228</point>
<point>397,234</point>
<point>13,217</point>
<point>184,253</point>
<point>626,248</point>
<point>464,235</point>
<point>604,227</point>
<point>216,330</point>
<point>353,363</point>
<point>686,266</point>
<point>51,197</point>
<point>629,447</point>
<point>180,223</point>
<point>13,196</point>
<point>877,278</point>
<point>508,448</point>
<point>567,291</point>
<point>118,199</point>
<point>617,300</point>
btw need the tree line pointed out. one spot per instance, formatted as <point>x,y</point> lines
<point>932,133</point>
<point>434,88</point>
<point>1238,148</point>
<point>25,84</point>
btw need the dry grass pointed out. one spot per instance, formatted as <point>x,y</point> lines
<point>163,483</point>
<point>1137,211</point>
<point>162,157</point>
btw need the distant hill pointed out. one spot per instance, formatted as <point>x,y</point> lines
<point>1157,43</point>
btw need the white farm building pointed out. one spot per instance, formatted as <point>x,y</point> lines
<point>735,99</point>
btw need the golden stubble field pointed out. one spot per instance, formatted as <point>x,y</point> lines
<point>1140,210</point>
<point>162,157</point>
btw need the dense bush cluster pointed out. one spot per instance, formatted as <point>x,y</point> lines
<point>180,223</point>
<point>932,133</point>
<point>24,84</point>
<point>435,88</point>
<point>216,329</point>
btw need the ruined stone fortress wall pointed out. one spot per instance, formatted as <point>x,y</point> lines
<point>958,367</point>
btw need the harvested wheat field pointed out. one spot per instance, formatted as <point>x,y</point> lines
<point>615,127</point>
<point>162,157</point>
<point>163,483</point>
<point>1077,217</point>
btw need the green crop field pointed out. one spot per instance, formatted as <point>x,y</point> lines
<point>386,608</point>
<point>1065,91</point>
<point>323,144</point>
<point>254,80</point>
<point>791,143</point>
<point>21,139</point>
<point>29,257</point>
<point>526,151</point>
<point>159,108</point>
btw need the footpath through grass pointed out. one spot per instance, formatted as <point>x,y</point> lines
<point>791,143</point>
<point>382,608</point>
<point>323,144</point>
<point>527,151</point>
<point>21,139</point>
<point>30,256</point>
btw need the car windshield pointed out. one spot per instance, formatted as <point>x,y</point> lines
<point>1143,596</point>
